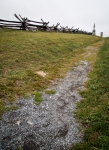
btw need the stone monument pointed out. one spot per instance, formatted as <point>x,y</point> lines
<point>94,31</point>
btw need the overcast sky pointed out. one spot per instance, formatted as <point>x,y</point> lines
<point>81,14</point>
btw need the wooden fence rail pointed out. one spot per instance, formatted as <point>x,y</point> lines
<point>26,24</point>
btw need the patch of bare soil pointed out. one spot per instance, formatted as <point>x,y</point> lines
<point>41,73</point>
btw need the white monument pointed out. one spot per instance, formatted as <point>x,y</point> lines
<point>94,31</point>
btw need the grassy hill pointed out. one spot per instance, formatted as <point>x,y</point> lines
<point>23,53</point>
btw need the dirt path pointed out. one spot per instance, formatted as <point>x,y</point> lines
<point>50,126</point>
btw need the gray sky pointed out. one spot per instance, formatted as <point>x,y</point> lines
<point>81,14</point>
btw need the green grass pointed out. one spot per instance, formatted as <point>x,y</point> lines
<point>38,98</point>
<point>93,110</point>
<point>50,91</point>
<point>23,53</point>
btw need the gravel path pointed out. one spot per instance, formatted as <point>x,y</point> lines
<point>51,125</point>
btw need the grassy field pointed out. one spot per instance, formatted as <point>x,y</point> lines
<point>93,110</point>
<point>23,53</point>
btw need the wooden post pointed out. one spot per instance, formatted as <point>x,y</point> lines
<point>101,34</point>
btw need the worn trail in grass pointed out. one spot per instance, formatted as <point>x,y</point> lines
<point>50,125</point>
<point>23,53</point>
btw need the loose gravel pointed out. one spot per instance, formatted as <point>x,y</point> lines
<point>51,125</point>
